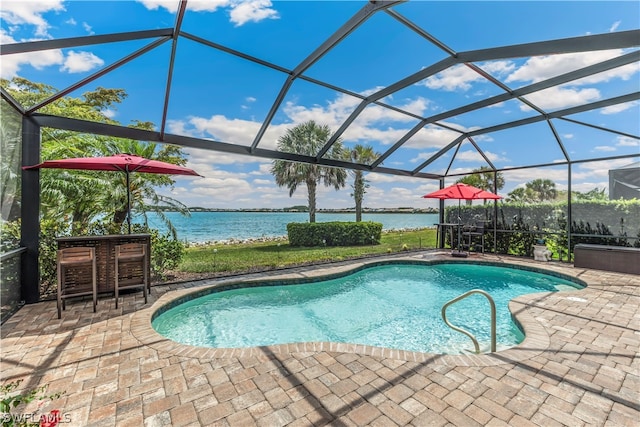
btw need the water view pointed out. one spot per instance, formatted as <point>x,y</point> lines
<point>215,226</point>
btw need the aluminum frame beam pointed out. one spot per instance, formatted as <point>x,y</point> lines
<point>24,47</point>
<point>84,126</point>
<point>174,46</point>
<point>347,28</point>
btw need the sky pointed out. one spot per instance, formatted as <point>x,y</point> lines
<point>220,97</point>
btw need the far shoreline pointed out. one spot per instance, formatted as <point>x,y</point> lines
<point>280,239</point>
<point>319,211</point>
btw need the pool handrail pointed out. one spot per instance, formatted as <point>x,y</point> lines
<point>467,333</point>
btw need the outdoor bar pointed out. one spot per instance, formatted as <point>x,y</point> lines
<point>105,258</point>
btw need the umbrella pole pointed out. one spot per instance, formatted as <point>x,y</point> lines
<point>128,202</point>
<point>459,224</point>
<point>459,253</point>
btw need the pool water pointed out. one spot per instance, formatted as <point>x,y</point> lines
<point>394,306</point>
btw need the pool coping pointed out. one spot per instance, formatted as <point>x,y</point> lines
<point>536,337</point>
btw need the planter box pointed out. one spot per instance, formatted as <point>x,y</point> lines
<point>610,258</point>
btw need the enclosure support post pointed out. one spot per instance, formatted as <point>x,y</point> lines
<point>495,213</point>
<point>569,216</point>
<point>30,201</point>
<point>440,243</point>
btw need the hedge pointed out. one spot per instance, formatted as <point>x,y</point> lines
<point>620,216</point>
<point>613,222</point>
<point>334,233</point>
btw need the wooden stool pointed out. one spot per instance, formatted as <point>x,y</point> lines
<point>131,264</point>
<point>73,265</point>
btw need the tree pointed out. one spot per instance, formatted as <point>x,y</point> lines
<point>596,194</point>
<point>307,139</point>
<point>483,178</point>
<point>541,190</point>
<point>363,155</point>
<point>85,197</point>
<point>518,195</point>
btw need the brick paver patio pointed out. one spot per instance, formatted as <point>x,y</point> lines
<point>578,366</point>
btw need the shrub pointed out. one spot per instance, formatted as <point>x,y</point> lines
<point>166,253</point>
<point>334,233</point>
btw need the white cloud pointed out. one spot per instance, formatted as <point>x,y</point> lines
<point>614,27</point>
<point>519,177</point>
<point>380,178</point>
<point>252,11</point>
<point>263,169</point>
<point>618,108</point>
<point>421,157</point>
<point>555,98</point>
<point>203,160</point>
<point>625,141</point>
<point>88,28</point>
<point>460,77</point>
<point>80,62</point>
<point>240,11</point>
<point>334,113</point>
<point>624,73</point>
<point>30,13</point>
<point>544,67</point>
<point>262,182</point>
<point>374,125</point>
<point>474,156</point>
<point>11,64</point>
<point>604,148</point>
<point>74,62</point>
<point>170,5</point>
<point>218,127</point>
<point>593,170</point>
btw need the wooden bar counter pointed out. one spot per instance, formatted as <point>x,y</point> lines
<point>105,254</point>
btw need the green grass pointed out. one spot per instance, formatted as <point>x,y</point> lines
<point>253,256</point>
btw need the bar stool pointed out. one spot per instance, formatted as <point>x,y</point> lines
<point>73,265</point>
<point>131,263</point>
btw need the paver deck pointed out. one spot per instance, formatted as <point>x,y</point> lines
<point>578,366</point>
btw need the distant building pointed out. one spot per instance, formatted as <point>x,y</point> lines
<point>624,183</point>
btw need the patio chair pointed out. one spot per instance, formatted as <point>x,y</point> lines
<point>74,266</point>
<point>474,236</point>
<point>131,269</point>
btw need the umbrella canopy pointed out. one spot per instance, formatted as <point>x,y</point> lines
<point>461,191</point>
<point>126,163</point>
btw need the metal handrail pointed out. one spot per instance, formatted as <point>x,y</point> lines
<point>467,333</point>
<point>11,254</point>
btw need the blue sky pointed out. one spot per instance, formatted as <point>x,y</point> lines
<point>220,97</point>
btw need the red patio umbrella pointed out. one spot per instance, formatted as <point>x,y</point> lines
<point>460,192</point>
<point>126,163</point>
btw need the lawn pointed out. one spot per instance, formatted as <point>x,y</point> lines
<point>230,258</point>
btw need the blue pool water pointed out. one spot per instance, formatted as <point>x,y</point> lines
<point>394,306</point>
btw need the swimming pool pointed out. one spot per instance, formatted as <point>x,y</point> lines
<point>392,305</point>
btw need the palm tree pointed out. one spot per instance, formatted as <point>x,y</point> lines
<point>363,155</point>
<point>142,187</point>
<point>307,139</point>
<point>542,189</point>
<point>483,178</point>
<point>518,195</point>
